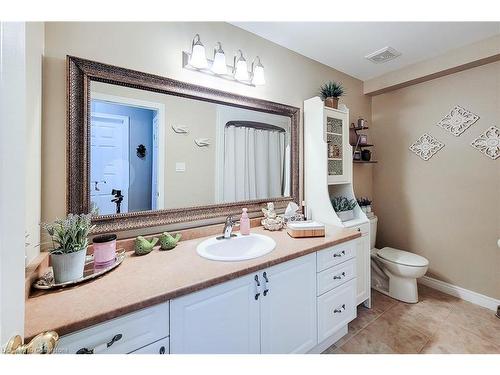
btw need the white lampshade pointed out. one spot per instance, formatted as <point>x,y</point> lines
<point>258,73</point>
<point>198,58</point>
<point>241,68</point>
<point>219,65</point>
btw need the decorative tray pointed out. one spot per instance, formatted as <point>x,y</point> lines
<point>90,271</point>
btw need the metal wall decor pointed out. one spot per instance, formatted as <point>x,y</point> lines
<point>458,120</point>
<point>488,142</point>
<point>426,146</point>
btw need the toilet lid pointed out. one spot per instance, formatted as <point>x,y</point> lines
<point>402,257</point>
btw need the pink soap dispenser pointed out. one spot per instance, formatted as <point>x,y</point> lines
<point>244,223</point>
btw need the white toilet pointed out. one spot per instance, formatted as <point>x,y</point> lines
<point>395,272</point>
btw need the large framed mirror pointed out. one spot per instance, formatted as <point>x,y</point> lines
<point>145,150</point>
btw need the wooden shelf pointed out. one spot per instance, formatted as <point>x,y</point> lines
<point>367,145</point>
<point>357,129</point>
<point>364,161</point>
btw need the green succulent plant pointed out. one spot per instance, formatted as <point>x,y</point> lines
<point>341,204</point>
<point>331,89</point>
<point>70,234</point>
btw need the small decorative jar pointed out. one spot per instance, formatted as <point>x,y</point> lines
<point>104,249</point>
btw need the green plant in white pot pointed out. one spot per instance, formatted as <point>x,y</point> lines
<point>344,207</point>
<point>70,240</point>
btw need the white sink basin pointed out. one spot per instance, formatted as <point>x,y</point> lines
<point>237,248</point>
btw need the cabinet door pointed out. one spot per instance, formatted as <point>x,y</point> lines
<point>363,269</point>
<point>288,308</point>
<point>221,319</point>
<point>159,347</point>
<point>337,148</point>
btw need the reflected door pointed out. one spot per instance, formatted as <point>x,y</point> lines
<point>109,160</point>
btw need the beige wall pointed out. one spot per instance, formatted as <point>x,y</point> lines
<point>448,208</point>
<point>34,53</point>
<point>156,48</point>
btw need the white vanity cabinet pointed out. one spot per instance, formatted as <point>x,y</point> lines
<point>250,314</point>
<point>126,334</point>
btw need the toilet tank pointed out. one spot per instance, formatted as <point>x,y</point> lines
<point>373,231</point>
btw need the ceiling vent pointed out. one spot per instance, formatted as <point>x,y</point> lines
<point>383,55</point>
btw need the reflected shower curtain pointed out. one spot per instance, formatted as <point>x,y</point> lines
<point>254,162</point>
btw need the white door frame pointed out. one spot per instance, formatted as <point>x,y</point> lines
<point>160,107</point>
<point>12,178</point>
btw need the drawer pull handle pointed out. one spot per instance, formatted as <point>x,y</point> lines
<point>339,254</point>
<point>257,294</point>
<point>266,290</point>
<point>338,277</point>
<point>339,310</point>
<point>162,350</point>
<point>99,347</point>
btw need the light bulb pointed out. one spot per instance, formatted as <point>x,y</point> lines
<point>240,68</point>
<point>219,65</point>
<point>198,58</point>
<point>258,73</point>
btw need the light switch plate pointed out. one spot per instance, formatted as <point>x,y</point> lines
<point>180,167</point>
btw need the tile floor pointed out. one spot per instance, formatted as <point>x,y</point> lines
<point>439,323</point>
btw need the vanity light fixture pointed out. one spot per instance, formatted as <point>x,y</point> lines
<point>219,65</point>
<point>198,58</point>
<point>238,72</point>
<point>258,72</point>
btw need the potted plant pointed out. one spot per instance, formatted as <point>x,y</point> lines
<point>344,207</point>
<point>365,204</point>
<point>330,93</point>
<point>69,239</point>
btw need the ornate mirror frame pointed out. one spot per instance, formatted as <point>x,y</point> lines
<point>81,72</point>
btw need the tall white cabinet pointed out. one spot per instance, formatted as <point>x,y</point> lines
<point>328,172</point>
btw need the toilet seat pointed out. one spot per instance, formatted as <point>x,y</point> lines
<point>402,257</point>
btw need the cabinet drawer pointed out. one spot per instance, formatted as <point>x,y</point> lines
<point>137,330</point>
<point>159,347</point>
<point>335,255</point>
<point>336,308</point>
<point>335,276</point>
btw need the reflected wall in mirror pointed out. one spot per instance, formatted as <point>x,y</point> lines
<point>145,152</point>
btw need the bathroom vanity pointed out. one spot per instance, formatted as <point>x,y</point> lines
<point>299,298</point>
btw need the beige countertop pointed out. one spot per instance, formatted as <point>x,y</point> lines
<point>143,281</point>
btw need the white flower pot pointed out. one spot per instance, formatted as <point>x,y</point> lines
<point>363,208</point>
<point>346,215</point>
<point>68,267</point>
<point>368,208</point>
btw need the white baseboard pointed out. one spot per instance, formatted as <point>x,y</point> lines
<point>465,294</point>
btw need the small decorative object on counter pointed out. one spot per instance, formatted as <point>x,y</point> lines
<point>306,229</point>
<point>330,93</point>
<point>356,155</point>
<point>271,220</point>
<point>168,242</point>
<point>344,207</point>
<point>104,249</point>
<point>143,246</point>
<point>70,240</point>
<point>292,213</point>
<point>244,223</point>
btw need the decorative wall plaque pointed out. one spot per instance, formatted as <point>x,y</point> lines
<point>488,142</point>
<point>458,120</point>
<point>426,146</point>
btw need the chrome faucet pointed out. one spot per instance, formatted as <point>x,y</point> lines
<point>227,233</point>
